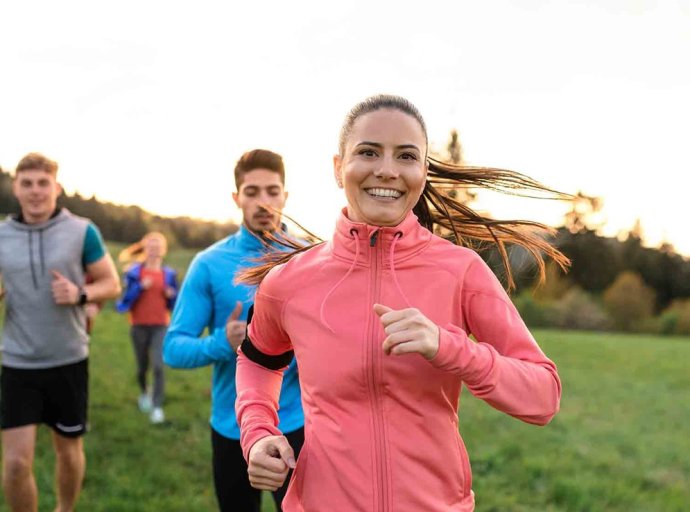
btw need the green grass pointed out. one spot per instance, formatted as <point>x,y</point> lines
<point>620,442</point>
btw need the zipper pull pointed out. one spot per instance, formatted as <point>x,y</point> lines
<point>372,240</point>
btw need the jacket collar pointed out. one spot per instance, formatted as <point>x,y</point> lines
<point>18,222</point>
<point>352,238</point>
<point>250,241</point>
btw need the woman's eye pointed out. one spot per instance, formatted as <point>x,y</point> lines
<point>408,156</point>
<point>367,152</point>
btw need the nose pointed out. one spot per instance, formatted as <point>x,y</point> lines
<point>264,197</point>
<point>387,169</point>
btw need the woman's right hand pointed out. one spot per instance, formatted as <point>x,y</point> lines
<point>270,459</point>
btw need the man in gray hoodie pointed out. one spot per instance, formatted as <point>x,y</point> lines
<point>46,254</point>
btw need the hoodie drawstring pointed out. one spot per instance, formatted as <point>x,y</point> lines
<point>40,251</point>
<point>31,260</point>
<point>398,236</point>
<point>349,271</point>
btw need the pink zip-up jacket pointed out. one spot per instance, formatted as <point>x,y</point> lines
<point>381,431</point>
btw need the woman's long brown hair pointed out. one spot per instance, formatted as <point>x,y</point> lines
<point>439,212</point>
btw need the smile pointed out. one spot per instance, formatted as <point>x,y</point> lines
<point>383,192</point>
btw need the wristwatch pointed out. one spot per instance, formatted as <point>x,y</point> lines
<point>83,299</point>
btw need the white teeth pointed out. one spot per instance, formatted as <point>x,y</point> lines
<point>384,192</point>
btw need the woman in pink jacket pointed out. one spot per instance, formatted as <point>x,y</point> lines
<point>379,320</point>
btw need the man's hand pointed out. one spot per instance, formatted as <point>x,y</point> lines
<point>235,329</point>
<point>65,292</point>
<point>408,331</point>
<point>270,459</point>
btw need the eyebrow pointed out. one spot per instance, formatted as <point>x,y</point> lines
<point>258,187</point>
<point>379,145</point>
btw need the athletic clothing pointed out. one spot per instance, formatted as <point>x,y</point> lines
<point>94,246</point>
<point>37,333</point>
<point>234,493</point>
<point>149,315</point>
<point>381,432</point>
<point>133,292</point>
<point>150,308</point>
<point>206,299</point>
<point>147,341</point>
<point>55,396</point>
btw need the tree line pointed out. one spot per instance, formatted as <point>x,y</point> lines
<point>128,224</point>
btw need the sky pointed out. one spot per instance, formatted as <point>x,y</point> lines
<point>152,103</point>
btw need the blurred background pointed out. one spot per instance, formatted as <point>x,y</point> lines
<point>147,105</point>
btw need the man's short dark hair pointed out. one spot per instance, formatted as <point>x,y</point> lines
<point>259,159</point>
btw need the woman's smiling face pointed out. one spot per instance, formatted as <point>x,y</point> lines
<point>383,167</point>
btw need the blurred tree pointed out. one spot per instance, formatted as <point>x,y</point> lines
<point>8,203</point>
<point>577,309</point>
<point>455,155</point>
<point>555,286</point>
<point>596,260</point>
<point>629,301</point>
<point>583,213</point>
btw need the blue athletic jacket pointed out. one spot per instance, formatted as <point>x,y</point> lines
<point>133,287</point>
<point>207,298</point>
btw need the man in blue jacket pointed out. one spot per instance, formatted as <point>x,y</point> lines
<point>210,299</point>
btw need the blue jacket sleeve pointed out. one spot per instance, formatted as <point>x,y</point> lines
<point>132,290</point>
<point>171,281</point>
<point>183,346</point>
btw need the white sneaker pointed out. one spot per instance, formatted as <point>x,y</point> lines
<point>144,403</point>
<point>157,415</point>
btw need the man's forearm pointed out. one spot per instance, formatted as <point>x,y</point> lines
<point>102,289</point>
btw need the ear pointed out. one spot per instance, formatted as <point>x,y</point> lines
<point>236,198</point>
<point>337,168</point>
<point>58,187</point>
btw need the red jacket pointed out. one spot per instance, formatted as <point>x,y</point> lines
<point>381,432</point>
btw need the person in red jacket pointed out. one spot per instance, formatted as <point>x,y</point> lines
<point>149,296</point>
<point>379,320</point>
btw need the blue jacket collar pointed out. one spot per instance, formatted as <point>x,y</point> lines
<point>251,241</point>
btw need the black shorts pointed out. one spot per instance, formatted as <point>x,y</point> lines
<point>56,396</point>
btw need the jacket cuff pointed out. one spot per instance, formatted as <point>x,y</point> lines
<point>458,354</point>
<point>255,435</point>
<point>218,346</point>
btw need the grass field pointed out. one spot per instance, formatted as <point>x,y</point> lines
<point>620,443</point>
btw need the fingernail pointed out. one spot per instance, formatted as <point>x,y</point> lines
<point>291,462</point>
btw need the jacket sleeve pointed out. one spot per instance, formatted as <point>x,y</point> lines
<point>131,292</point>
<point>171,281</point>
<point>184,347</point>
<point>506,367</point>
<point>258,387</point>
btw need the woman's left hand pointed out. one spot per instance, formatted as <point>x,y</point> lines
<point>408,331</point>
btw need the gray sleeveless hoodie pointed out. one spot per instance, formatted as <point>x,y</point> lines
<point>37,332</point>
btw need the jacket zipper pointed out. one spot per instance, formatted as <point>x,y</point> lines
<point>375,355</point>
